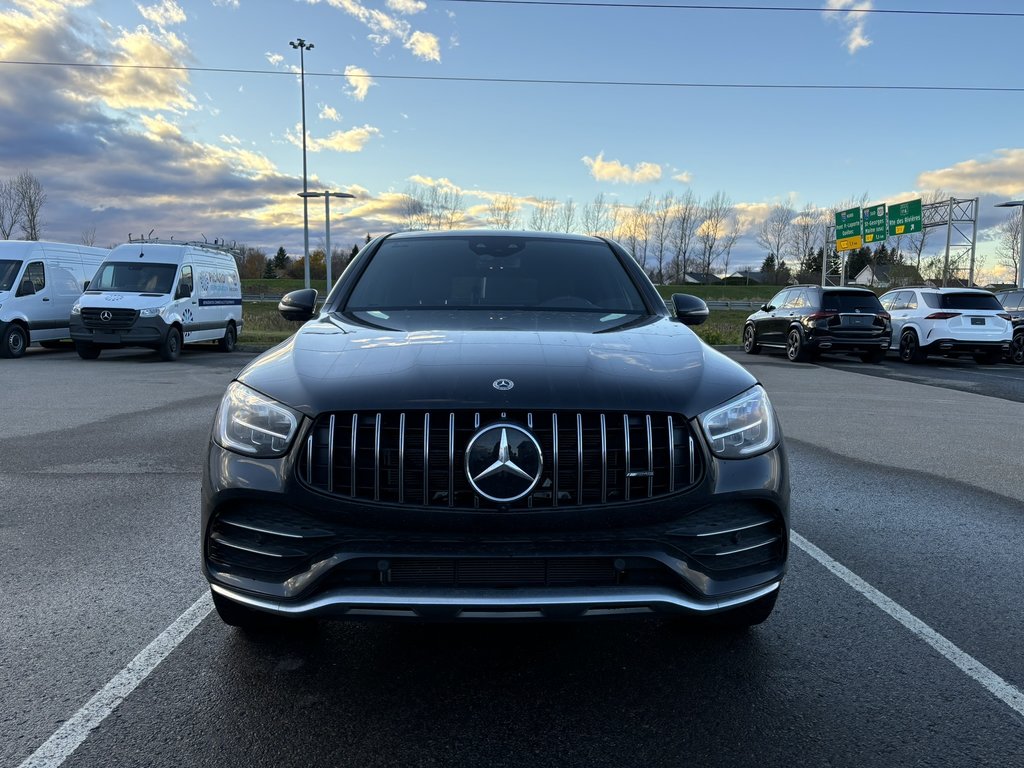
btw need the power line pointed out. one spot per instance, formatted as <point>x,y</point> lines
<point>766,8</point>
<point>537,81</point>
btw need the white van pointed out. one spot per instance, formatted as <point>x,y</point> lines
<point>159,295</point>
<point>39,283</point>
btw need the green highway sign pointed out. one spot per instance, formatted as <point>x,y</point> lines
<point>905,218</point>
<point>874,224</point>
<point>849,228</point>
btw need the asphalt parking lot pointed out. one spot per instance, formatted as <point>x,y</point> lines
<point>896,640</point>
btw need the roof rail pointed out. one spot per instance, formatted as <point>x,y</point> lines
<point>216,245</point>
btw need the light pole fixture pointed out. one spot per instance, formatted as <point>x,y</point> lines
<point>302,47</point>
<point>1020,252</point>
<point>327,222</point>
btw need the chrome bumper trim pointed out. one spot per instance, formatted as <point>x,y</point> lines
<point>494,604</point>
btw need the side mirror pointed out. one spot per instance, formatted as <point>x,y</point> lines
<point>689,309</point>
<point>298,305</point>
<point>767,307</point>
<point>27,288</point>
<point>183,292</point>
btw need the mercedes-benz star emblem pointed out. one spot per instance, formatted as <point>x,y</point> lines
<point>503,385</point>
<point>106,315</point>
<point>503,462</point>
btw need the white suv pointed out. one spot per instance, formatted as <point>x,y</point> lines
<point>948,321</point>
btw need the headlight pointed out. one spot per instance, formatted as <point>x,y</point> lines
<point>149,312</point>
<point>250,423</point>
<point>76,308</point>
<point>743,427</point>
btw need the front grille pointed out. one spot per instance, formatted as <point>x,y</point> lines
<point>418,458</point>
<point>120,319</point>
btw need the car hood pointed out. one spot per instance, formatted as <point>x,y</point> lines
<point>658,365</point>
<point>124,300</point>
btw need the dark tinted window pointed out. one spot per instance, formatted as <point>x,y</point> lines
<point>968,301</point>
<point>850,301</point>
<point>495,271</point>
<point>1012,300</point>
<point>35,273</point>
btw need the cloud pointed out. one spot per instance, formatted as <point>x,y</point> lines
<point>329,113</point>
<point>274,58</point>
<point>407,7</point>
<point>166,14</point>
<point>1001,174</point>
<point>359,81</point>
<point>424,46</point>
<point>228,138</point>
<point>685,177</point>
<point>855,21</point>
<point>616,172</point>
<point>352,140</point>
<point>226,3</point>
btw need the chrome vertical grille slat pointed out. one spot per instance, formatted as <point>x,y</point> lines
<point>587,466</point>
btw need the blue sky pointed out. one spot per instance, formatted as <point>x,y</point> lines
<point>218,153</point>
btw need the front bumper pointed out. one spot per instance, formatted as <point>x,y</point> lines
<point>275,545</point>
<point>144,332</point>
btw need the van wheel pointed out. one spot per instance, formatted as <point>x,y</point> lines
<point>87,351</point>
<point>14,341</point>
<point>171,346</point>
<point>228,341</point>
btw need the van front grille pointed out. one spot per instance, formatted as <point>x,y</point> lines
<point>118,320</point>
<point>418,457</point>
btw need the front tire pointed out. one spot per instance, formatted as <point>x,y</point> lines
<point>230,338</point>
<point>910,349</point>
<point>750,345</point>
<point>171,346</point>
<point>14,342</point>
<point>87,351</point>
<point>796,350</point>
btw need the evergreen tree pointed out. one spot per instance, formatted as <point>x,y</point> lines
<point>281,260</point>
<point>268,271</point>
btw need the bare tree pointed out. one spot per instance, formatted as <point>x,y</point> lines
<point>33,198</point>
<point>437,206</point>
<point>413,209</point>
<point>1008,251</point>
<point>808,233</point>
<point>10,208</point>
<point>661,235</point>
<point>89,236</point>
<point>597,217</point>
<point>714,213</point>
<point>685,220</point>
<point>544,217</point>
<point>775,232</point>
<point>636,229</point>
<point>567,216</point>
<point>918,241</point>
<point>503,212</point>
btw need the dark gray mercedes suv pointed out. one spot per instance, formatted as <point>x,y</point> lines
<point>494,425</point>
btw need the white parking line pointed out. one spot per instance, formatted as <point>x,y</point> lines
<point>970,666</point>
<point>60,746</point>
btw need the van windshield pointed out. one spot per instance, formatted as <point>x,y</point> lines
<point>8,272</point>
<point>134,277</point>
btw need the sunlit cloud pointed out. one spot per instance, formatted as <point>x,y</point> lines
<point>352,140</point>
<point>408,7</point>
<point>424,46</point>
<point>359,81</point>
<point>274,58</point>
<point>685,177</point>
<point>616,172</point>
<point>229,139</point>
<point>1002,174</point>
<point>854,21</point>
<point>329,113</point>
<point>164,14</point>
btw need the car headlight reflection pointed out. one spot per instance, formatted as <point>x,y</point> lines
<point>149,312</point>
<point>745,426</point>
<point>250,423</point>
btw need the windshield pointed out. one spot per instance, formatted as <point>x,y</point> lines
<point>852,301</point>
<point>134,277</point>
<point>8,272</point>
<point>495,272</point>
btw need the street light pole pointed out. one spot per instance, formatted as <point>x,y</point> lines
<point>327,220</point>
<point>302,47</point>
<point>1020,252</point>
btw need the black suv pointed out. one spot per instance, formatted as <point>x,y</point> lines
<point>804,320</point>
<point>1013,303</point>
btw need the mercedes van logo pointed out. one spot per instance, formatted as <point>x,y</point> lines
<point>503,385</point>
<point>106,315</point>
<point>503,462</point>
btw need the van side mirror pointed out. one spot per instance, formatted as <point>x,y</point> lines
<point>27,288</point>
<point>689,309</point>
<point>183,292</point>
<point>298,305</point>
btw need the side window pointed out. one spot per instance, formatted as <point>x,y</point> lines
<point>796,300</point>
<point>900,302</point>
<point>887,301</point>
<point>1015,300</point>
<point>912,300</point>
<point>185,282</point>
<point>37,274</point>
<point>779,298</point>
